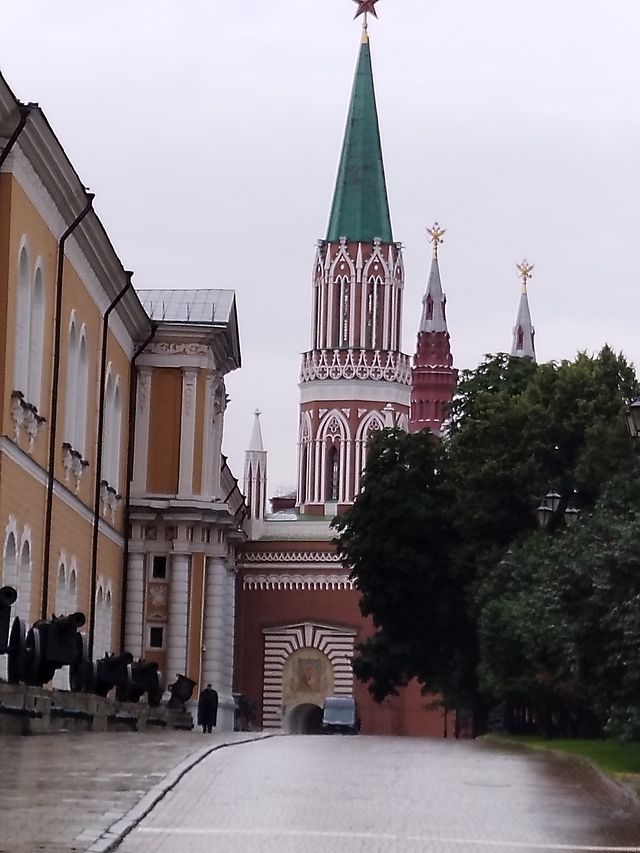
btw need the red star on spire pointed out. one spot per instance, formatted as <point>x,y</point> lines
<point>366,7</point>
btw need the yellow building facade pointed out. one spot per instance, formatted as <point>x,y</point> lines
<point>115,499</point>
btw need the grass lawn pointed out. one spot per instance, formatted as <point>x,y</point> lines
<point>610,755</point>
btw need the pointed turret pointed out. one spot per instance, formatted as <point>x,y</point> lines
<point>523,332</point>
<point>434,316</point>
<point>255,475</point>
<point>360,210</point>
<point>433,377</point>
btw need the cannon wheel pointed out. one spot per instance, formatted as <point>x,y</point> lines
<point>154,695</point>
<point>83,676</point>
<point>83,671</point>
<point>37,670</point>
<point>15,661</point>
<point>123,691</point>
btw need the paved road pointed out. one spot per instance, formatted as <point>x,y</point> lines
<point>372,795</point>
<point>59,793</point>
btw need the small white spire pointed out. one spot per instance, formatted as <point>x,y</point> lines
<point>256,442</point>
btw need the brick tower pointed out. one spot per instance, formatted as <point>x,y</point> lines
<point>354,379</point>
<point>433,376</point>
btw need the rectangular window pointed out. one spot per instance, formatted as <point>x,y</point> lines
<point>156,637</point>
<point>159,568</point>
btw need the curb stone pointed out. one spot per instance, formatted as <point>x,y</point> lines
<point>111,837</point>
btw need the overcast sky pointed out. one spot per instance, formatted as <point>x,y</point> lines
<point>210,132</point>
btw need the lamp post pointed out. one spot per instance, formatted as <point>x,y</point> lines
<point>632,417</point>
<point>549,505</point>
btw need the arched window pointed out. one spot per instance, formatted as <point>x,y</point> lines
<point>81,396</point>
<point>23,605</point>
<point>99,629</point>
<point>72,586</point>
<point>36,335</point>
<point>304,473</point>
<point>333,472</point>
<point>61,591</point>
<point>10,568</point>
<point>72,385</point>
<point>116,428</point>
<point>23,299</point>
<point>107,436</point>
<point>108,621</point>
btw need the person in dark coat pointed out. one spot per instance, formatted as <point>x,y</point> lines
<point>208,709</point>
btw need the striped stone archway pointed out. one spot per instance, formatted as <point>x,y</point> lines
<point>280,642</point>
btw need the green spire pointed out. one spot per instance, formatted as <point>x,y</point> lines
<point>360,210</point>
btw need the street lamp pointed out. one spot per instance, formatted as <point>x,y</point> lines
<point>549,507</point>
<point>632,416</point>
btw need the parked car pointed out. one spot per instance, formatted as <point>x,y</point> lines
<point>340,716</point>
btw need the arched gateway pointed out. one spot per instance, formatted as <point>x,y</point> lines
<point>303,664</point>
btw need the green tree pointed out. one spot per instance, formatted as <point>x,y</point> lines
<point>396,539</point>
<point>425,537</point>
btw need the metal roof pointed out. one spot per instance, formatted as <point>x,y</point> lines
<point>188,306</point>
<point>360,210</point>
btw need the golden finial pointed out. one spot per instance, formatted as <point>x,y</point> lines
<point>525,271</point>
<point>435,236</point>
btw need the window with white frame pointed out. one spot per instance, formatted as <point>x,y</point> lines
<point>23,298</point>
<point>29,328</point>
<point>112,431</point>
<point>72,382</point>
<point>81,395</point>
<point>36,336</point>
<point>23,605</point>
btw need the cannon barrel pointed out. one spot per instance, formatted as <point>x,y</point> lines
<point>69,623</point>
<point>181,691</point>
<point>8,596</point>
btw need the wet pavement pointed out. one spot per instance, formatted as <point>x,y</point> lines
<point>59,793</point>
<point>391,795</point>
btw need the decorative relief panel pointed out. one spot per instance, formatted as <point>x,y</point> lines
<point>162,348</point>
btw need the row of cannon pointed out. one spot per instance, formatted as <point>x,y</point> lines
<point>35,654</point>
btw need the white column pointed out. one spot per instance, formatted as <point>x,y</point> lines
<point>215,670</point>
<point>134,640</point>
<point>141,442</point>
<point>178,627</point>
<point>230,621</point>
<point>187,431</point>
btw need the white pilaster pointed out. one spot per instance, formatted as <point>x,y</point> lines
<point>178,618</point>
<point>141,442</point>
<point>215,669</point>
<point>208,444</point>
<point>134,598</point>
<point>187,431</point>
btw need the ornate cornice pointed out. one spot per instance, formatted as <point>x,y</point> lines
<point>297,582</point>
<point>355,364</point>
<point>289,557</point>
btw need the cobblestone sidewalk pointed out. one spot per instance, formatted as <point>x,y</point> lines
<point>59,793</point>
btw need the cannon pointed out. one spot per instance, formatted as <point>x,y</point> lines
<point>142,677</point>
<point>181,691</point>
<point>100,676</point>
<point>8,596</point>
<point>47,646</point>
